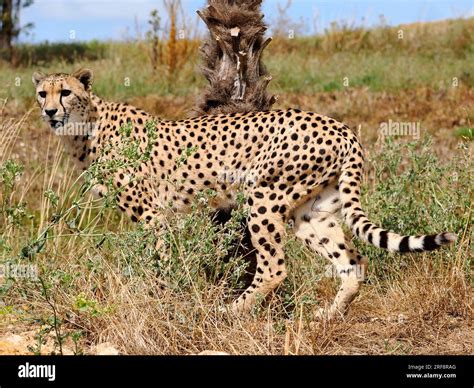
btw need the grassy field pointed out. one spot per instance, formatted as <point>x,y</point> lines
<point>100,282</point>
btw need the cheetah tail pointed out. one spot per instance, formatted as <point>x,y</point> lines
<point>363,228</point>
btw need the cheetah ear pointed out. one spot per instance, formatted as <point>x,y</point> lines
<point>85,76</point>
<point>37,77</point>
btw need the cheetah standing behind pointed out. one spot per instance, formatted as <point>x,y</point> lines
<point>297,165</point>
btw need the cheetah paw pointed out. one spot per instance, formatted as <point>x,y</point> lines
<point>326,315</point>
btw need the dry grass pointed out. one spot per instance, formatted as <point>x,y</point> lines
<point>408,318</point>
<point>420,305</point>
<point>100,281</point>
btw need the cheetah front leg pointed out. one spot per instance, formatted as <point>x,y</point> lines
<point>139,202</point>
<point>267,227</point>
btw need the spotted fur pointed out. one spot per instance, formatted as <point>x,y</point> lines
<point>290,165</point>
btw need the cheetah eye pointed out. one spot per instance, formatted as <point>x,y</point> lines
<point>42,94</point>
<point>65,93</point>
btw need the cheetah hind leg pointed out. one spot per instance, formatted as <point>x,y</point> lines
<point>317,224</point>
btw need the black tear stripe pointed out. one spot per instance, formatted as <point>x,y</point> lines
<point>404,246</point>
<point>383,239</point>
<point>61,100</point>
<point>429,243</point>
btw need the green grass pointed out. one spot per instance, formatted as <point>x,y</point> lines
<point>425,197</point>
<point>391,71</point>
<point>30,55</point>
<point>465,133</point>
<point>375,59</point>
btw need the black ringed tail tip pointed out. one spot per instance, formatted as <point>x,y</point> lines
<point>429,242</point>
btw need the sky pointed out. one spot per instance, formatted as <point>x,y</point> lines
<point>66,20</point>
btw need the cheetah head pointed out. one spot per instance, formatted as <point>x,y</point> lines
<point>63,98</point>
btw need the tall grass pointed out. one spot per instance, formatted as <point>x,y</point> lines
<point>430,55</point>
<point>101,279</point>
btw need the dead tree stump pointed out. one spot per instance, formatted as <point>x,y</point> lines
<point>232,59</point>
<point>238,80</point>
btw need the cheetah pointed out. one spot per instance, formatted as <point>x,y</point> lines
<point>293,167</point>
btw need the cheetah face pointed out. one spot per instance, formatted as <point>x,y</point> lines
<point>63,98</point>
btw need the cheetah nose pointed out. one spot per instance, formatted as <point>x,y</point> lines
<point>51,112</point>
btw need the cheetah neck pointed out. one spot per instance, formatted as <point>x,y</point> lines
<point>77,137</point>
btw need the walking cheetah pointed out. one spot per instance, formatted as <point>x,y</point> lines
<point>293,165</point>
